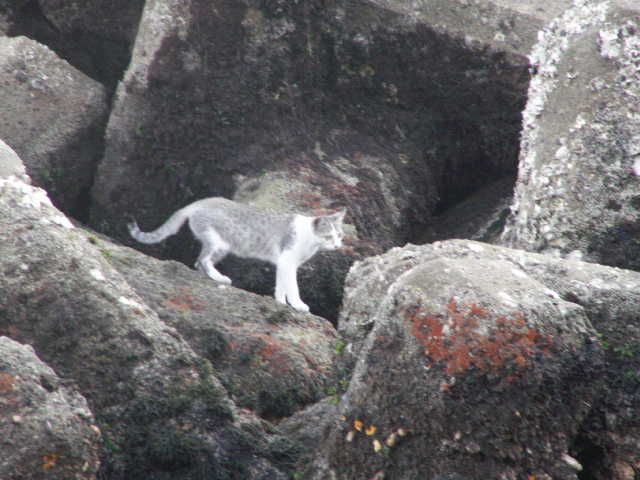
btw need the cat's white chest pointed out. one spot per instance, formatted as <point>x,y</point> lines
<point>305,243</point>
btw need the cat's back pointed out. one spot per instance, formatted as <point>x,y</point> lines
<point>235,210</point>
<point>226,214</point>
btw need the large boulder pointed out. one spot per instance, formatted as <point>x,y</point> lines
<point>53,116</point>
<point>11,165</point>
<point>270,358</point>
<point>368,187</point>
<point>430,94</point>
<point>46,428</point>
<point>97,36</point>
<point>578,190</point>
<point>463,365</point>
<point>162,411</point>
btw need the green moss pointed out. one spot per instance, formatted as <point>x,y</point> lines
<point>148,409</point>
<point>284,453</point>
<point>171,449</point>
<point>281,315</point>
<point>107,439</point>
<point>627,352</point>
<point>214,398</point>
<point>216,343</point>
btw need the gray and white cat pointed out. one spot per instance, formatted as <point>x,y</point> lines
<point>224,226</point>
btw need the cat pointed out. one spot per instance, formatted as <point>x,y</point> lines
<point>224,226</point>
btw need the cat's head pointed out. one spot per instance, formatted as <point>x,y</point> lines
<point>328,229</point>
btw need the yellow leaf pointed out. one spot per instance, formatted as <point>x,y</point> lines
<point>358,425</point>
<point>371,430</point>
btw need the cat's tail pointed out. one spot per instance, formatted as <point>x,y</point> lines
<point>169,228</point>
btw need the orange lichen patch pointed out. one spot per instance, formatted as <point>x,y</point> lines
<point>270,347</point>
<point>183,300</point>
<point>267,351</point>
<point>309,201</point>
<point>7,383</point>
<point>457,340</point>
<point>50,461</point>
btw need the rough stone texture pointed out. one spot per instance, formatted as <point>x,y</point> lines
<point>162,412</point>
<point>578,188</point>
<point>430,91</point>
<point>106,18</point>
<point>99,34</point>
<point>46,428</point>
<point>463,364</point>
<point>608,445</point>
<point>11,165</point>
<point>53,117</point>
<point>480,217</point>
<point>603,436</point>
<point>95,36</point>
<point>371,191</point>
<point>270,358</point>
<point>204,97</point>
<point>307,427</point>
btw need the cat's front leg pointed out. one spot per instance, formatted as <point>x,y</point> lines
<point>287,284</point>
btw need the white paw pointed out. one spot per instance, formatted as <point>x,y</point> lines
<point>300,306</point>
<point>223,279</point>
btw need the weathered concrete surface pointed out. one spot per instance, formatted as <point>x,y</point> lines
<point>163,412</point>
<point>11,164</point>
<point>598,307</point>
<point>432,90</point>
<point>53,116</point>
<point>46,428</point>
<point>396,110</point>
<point>462,365</point>
<point>270,358</point>
<point>96,36</point>
<point>578,189</point>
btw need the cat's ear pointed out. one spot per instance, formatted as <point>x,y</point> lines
<point>339,216</point>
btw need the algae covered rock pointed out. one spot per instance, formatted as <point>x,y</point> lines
<point>270,358</point>
<point>462,364</point>
<point>578,191</point>
<point>53,116</point>
<point>46,428</point>
<point>161,409</point>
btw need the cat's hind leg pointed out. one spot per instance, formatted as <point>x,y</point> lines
<point>214,249</point>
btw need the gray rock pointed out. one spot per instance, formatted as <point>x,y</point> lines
<point>46,428</point>
<point>53,117</point>
<point>115,20</point>
<point>162,411</point>
<point>464,363</point>
<point>428,93</point>
<point>11,165</point>
<point>270,358</point>
<point>578,191</point>
<point>96,36</point>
